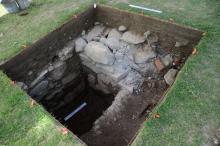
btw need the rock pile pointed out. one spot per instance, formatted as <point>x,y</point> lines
<point>120,56</point>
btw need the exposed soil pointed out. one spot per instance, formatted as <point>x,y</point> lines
<point>121,130</point>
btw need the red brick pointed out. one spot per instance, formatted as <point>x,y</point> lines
<point>159,65</point>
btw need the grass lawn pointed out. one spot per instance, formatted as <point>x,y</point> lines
<point>190,115</point>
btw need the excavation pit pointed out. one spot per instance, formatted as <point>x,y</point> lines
<point>101,73</point>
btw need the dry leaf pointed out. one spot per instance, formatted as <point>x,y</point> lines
<point>13,82</point>
<point>32,103</point>
<point>157,116</point>
<point>64,131</point>
<point>23,46</point>
<point>171,20</point>
<point>194,52</point>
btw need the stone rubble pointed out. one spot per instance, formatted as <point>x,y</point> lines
<point>169,77</point>
<point>133,38</point>
<point>80,44</point>
<point>123,56</point>
<point>99,53</point>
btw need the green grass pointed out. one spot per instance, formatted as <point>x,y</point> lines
<point>44,16</point>
<point>190,113</point>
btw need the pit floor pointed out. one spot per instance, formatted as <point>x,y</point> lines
<point>122,130</point>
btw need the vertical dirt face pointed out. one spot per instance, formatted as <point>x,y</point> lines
<point>115,63</point>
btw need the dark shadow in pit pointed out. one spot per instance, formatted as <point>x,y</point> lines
<point>96,103</point>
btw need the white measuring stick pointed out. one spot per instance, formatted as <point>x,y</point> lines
<point>148,9</point>
<point>75,111</point>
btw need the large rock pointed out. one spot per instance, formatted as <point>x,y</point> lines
<point>59,70</point>
<point>92,66</point>
<point>142,56</point>
<point>170,76</point>
<point>106,31</point>
<point>84,57</point>
<point>80,44</point>
<point>152,38</point>
<point>120,71</point>
<point>39,78</point>
<point>99,53</point>
<point>22,85</point>
<point>132,82</point>
<point>96,31</point>
<point>113,43</point>
<point>133,38</point>
<point>167,60</point>
<point>67,51</point>
<point>106,69</point>
<point>40,90</point>
<point>114,34</point>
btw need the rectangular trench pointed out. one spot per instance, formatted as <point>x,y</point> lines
<point>61,82</point>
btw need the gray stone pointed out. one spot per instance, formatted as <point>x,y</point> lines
<point>40,90</point>
<point>85,57</point>
<point>97,39</point>
<point>69,78</point>
<point>83,33</point>
<point>114,34</point>
<point>22,85</point>
<point>67,51</point>
<point>91,66</point>
<point>132,82</point>
<point>147,68</point>
<point>181,43</point>
<point>80,44</point>
<point>105,79</point>
<point>39,78</point>
<point>119,56</point>
<point>147,33</point>
<point>59,70</point>
<point>97,23</point>
<point>96,31</point>
<point>91,79</point>
<point>169,77</point>
<point>106,31</point>
<point>131,64</point>
<point>106,69</point>
<point>103,40</point>
<point>152,38</point>
<point>122,28</point>
<point>50,67</point>
<point>142,56</point>
<point>167,60</point>
<point>112,43</point>
<point>99,53</point>
<point>121,71</point>
<point>132,38</point>
<point>30,73</point>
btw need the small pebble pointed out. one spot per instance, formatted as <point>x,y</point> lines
<point>122,28</point>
